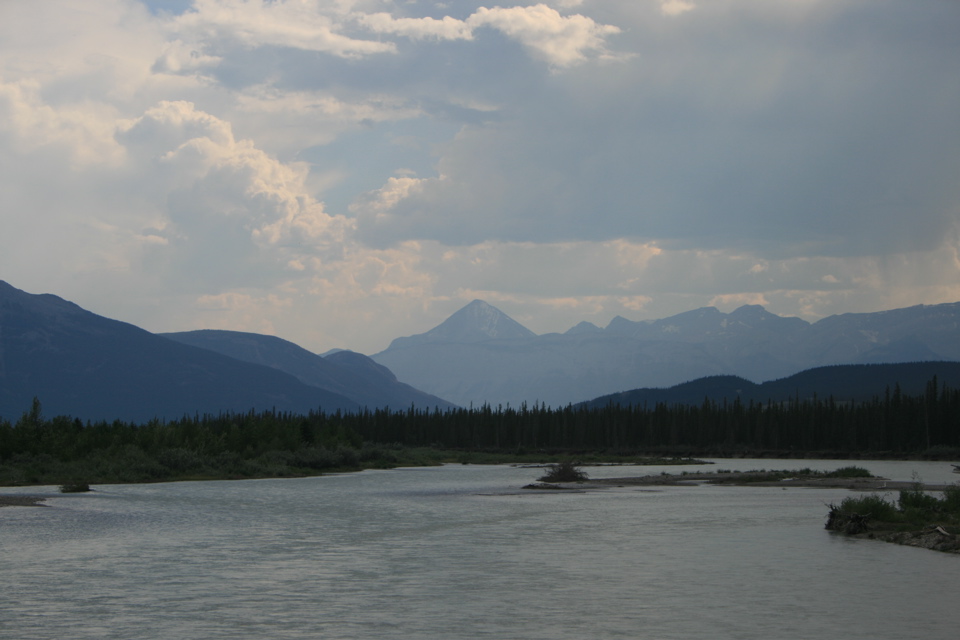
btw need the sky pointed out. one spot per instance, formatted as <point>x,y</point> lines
<point>344,172</point>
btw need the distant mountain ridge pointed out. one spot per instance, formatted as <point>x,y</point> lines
<point>94,368</point>
<point>843,383</point>
<point>347,373</point>
<point>587,361</point>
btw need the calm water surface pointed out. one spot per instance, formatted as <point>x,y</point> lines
<point>462,552</point>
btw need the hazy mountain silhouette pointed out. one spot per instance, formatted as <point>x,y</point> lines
<point>94,368</point>
<point>587,362</point>
<point>844,383</point>
<point>476,322</point>
<point>347,373</point>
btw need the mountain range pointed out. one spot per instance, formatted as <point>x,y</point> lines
<point>94,368</point>
<point>480,355</point>
<point>84,365</point>
<point>350,374</point>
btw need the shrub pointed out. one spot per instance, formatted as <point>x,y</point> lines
<point>951,499</point>
<point>563,472</point>
<point>917,504</point>
<point>849,472</point>
<point>855,514</point>
<point>74,487</point>
<point>180,460</point>
<point>876,506</point>
<point>347,458</point>
<point>918,499</point>
<point>315,458</point>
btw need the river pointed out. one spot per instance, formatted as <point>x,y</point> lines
<point>461,551</point>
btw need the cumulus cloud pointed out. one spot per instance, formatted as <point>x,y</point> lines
<point>561,40</point>
<point>558,39</point>
<point>675,7</point>
<point>216,185</point>
<point>211,28</point>
<point>80,133</point>
<point>285,23</point>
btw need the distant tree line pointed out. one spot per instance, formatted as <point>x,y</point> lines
<point>893,423</point>
<point>271,443</point>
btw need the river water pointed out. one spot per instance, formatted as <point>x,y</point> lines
<point>463,552</point>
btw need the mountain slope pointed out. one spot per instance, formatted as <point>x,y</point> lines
<point>842,382</point>
<point>94,368</point>
<point>349,374</point>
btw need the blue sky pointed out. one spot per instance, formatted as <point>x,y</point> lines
<point>340,173</point>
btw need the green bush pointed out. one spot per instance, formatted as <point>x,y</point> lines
<point>849,472</point>
<point>854,515</point>
<point>563,472</point>
<point>180,460</point>
<point>951,500</point>
<point>74,487</point>
<point>919,500</point>
<point>873,505</point>
<point>915,509</point>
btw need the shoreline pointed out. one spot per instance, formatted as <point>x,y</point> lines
<point>22,501</point>
<point>755,479</point>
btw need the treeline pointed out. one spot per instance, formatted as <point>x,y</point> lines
<point>894,424</point>
<point>275,443</point>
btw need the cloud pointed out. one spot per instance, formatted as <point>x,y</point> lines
<point>560,40</point>
<point>217,24</point>
<point>79,133</point>
<point>557,39</point>
<point>218,186</point>
<point>342,173</point>
<point>706,141</point>
<point>446,28</point>
<point>675,7</point>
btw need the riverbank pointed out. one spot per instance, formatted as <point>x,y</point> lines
<point>781,479</point>
<point>133,465</point>
<point>934,538</point>
<point>22,501</point>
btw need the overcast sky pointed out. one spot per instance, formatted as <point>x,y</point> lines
<point>344,172</point>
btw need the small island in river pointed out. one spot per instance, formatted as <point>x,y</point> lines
<point>918,518</point>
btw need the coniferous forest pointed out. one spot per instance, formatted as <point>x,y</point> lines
<point>40,450</point>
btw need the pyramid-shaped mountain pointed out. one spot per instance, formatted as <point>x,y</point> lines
<point>476,322</point>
